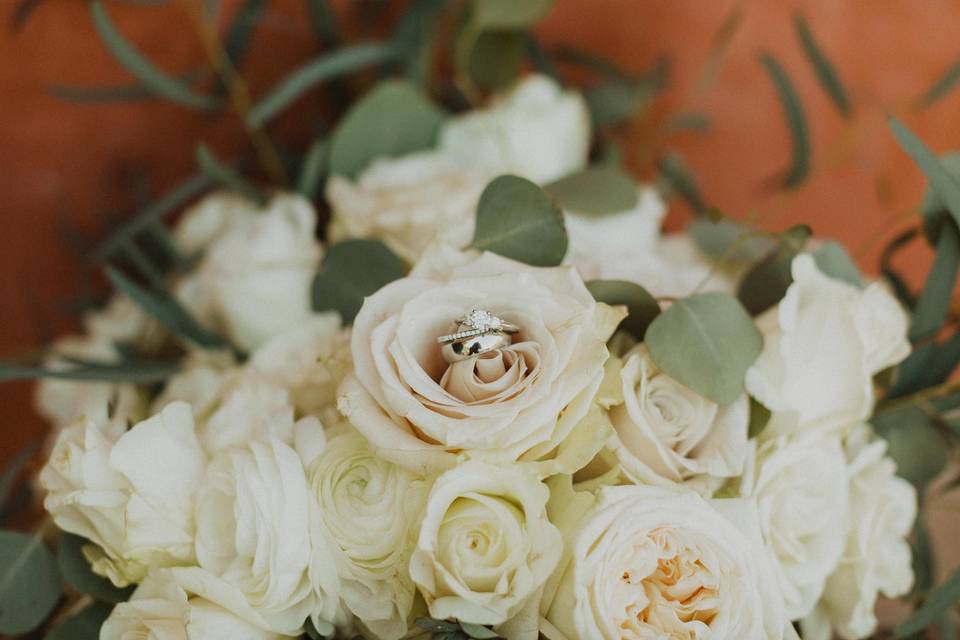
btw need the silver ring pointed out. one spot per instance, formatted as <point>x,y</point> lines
<point>483,320</point>
<point>460,335</point>
<point>474,346</point>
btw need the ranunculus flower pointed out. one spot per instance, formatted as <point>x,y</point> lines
<point>667,434</point>
<point>486,546</point>
<point>648,563</point>
<point>132,495</point>
<point>254,281</point>
<point>371,510</point>
<point>822,345</point>
<point>801,491</point>
<point>518,402</point>
<point>163,609</point>
<point>408,202</point>
<point>256,531</point>
<point>536,130</point>
<point>876,556</point>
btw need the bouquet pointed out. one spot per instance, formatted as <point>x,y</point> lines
<point>457,383</point>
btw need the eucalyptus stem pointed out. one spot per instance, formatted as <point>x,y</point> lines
<point>919,397</point>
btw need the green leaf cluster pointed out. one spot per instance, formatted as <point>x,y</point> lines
<point>353,270</point>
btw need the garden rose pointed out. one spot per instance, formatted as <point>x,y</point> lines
<point>132,495</point>
<point>651,563</point>
<point>667,434</point>
<point>801,491</point>
<point>518,402</point>
<point>537,130</point>
<point>485,545</point>
<point>215,215</point>
<point>161,609</point>
<point>371,510</point>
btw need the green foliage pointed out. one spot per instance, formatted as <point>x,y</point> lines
<point>706,342</point>
<point>29,582</point>
<point>796,120</point>
<point>242,29</point>
<point>934,303</point>
<point>946,186</point>
<point>942,86</point>
<point>391,120</point>
<point>679,179</point>
<point>495,58</point>
<point>414,38</point>
<point>517,219</point>
<point>759,417</point>
<point>353,270</point>
<point>313,168</point>
<point>82,626</point>
<point>826,72</point>
<point>136,372</point>
<point>729,240</point>
<point>767,282</point>
<point>77,573</point>
<point>833,260</point>
<point>642,307</point>
<point>11,473</point>
<point>152,78</point>
<point>938,603</point>
<point>915,443</point>
<point>935,212</point>
<point>225,176</point>
<point>454,630</point>
<point>928,365</point>
<point>599,189</point>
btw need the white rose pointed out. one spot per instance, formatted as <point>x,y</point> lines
<point>649,563</point>
<point>801,491</point>
<point>371,510</point>
<point>215,215</point>
<point>250,407</point>
<point>256,532</point>
<point>667,434</point>
<point>309,361</point>
<point>521,401</point>
<point>201,382</point>
<point>408,202</point>
<point>536,130</point>
<point>822,345</point>
<point>876,556</point>
<point>132,496</point>
<point>161,609</point>
<point>485,546</point>
<point>254,281</point>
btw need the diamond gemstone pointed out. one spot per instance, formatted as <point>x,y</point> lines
<point>482,320</point>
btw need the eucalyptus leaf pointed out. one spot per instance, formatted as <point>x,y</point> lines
<point>615,102</point>
<point>353,270</point>
<point>833,260</point>
<point>944,85</point>
<point>933,305</point>
<point>914,443</point>
<point>706,342</point>
<point>477,632</point>
<point>76,571</point>
<point>935,212</point>
<point>391,120</point>
<point>680,180</point>
<point>313,168</point>
<point>436,626</point>
<point>767,282</point>
<point>946,186</point>
<point>796,120</point>
<point>13,469</point>
<point>924,562</point>
<point>927,366</point>
<point>824,69</point>
<point>495,58</point>
<point>730,240</point>
<point>516,219</point>
<point>151,77</point>
<point>900,288</point>
<point>415,36</point>
<point>29,582</point>
<point>938,602</point>
<point>600,189</point>
<point>224,175</point>
<point>132,372</point>
<point>642,307</point>
<point>508,14</point>
<point>242,29</point>
<point>82,626</point>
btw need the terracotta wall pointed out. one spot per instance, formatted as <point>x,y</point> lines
<point>62,166</point>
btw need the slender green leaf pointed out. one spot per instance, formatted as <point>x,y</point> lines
<point>730,240</point>
<point>927,366</point>
<point>767,282</point>
<point>11,473</point>
<point>938,602</point>
<point>82,626</point>
<point>942,86</point>
<point>436,626</point>
<point>833,260</point>
<point>945,185</point>
<point>313,168</point>
<point>924,561</point>
<point>391,120</point>
<point>934,302</point>
<point>899,285</point>
<point>642,307</point>
<point>325,67</point>
<point>826,72</point>
<point>706,342</point>
<point>516,219</point>
<point>414,38</point>
<point>680,179</point>
<point>76,571</point>
<point>353,270</point>
<point>599,189</point>
<point>131,372</point>
<point>151,77</point>
<point>719,47</point>
<point>477,632</point>
<point>793,111</point>
<point>166,310</point>
<point>541,59</point>
<point>324,21</point>
<point>935,212</point>
<point>690,121</point>
<point>29,582</point>
<point>242,29</point>
<point>225,176</point>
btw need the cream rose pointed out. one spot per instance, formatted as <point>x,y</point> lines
<point>256,531</point>
<point>218,214</point>
<point>801,491</point>
<point>407,202</point>
<point>518,402</point>
<point>667,434</point>
<point>162,609</point>
<point>132,495</point>
<point>536,130</point>
<point>822,345</point>
<point>371,510</point>
<point>876,555</point>
<point>254,281</point>
<point>650,563</point>
<point>485,546</point>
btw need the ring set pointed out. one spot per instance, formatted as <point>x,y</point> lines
<point>477,332</point>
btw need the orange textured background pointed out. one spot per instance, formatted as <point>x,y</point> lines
<point>63,163</point>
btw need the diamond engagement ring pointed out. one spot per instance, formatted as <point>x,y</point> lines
<point>477,332</point>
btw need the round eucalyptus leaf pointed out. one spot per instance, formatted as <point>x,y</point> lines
<point>516,219</point>
<point>914,443</point>
<point>642,307</point>
<point>597,190</point>
<point>83,626</point>
<point>833,260</point>
<point>29,582</point>
<point>706,342</point>
<point>353,270</point>
<point>76,571</point>
<point>477,632</point>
